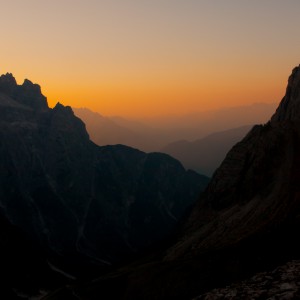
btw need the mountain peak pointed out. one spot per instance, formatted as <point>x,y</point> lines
<point>27,82</point>
<point>28,94</point>
<point>289,108</point>
<point>7,83</point>
<point>8,77</point>
<point>64,109</point>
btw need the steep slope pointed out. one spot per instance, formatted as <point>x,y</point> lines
<point>85,205</point>
<point>255,189</point>
<point>206,154</point>
<point>248,218</point>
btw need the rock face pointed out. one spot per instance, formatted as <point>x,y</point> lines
<point>255,191</point>
<point>81,202</point>
<point>289,108</point>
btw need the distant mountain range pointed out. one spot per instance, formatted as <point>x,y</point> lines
<point>206,154</point>
<point>156,134</point>
<point>111,131</point>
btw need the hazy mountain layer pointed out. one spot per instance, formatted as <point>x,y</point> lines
<point>206,154</point>
<point>155,134</point>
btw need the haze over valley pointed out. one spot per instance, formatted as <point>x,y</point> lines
<point>200,140</point>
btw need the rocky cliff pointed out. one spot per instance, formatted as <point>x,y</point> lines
<point>255,190</point>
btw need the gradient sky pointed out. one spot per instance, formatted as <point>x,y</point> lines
<point>152,57</point>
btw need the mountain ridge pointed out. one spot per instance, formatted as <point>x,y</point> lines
<point>154,135</point>
<point>87,207</point>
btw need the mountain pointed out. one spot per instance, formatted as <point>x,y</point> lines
<point>79,205</point>
<point>156,133</point>
<point>117,130</point>
<point>110,131</point>
<point>250,211</point>
<point>254,192</point>
<point>246,221</point>
<point>206,154</point>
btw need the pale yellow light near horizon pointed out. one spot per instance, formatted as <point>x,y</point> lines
<point>143,58</point>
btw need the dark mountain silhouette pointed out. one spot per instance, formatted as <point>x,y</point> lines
<point>206,154</point>
<point>254,191</point>
<point>80,205</point>
<point>155,134</point>
<point>247,221</point>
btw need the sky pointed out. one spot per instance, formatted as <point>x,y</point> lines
<point>152,57</point>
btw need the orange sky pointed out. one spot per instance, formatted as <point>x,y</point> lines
<point>145,58</point>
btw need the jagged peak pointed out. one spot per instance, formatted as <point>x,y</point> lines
<point>27,82</point>
<point>28,94</point>
<point>8,77</point>
<point>7,83</point>
<point>289,107</point>
<point>34,87</point>
<point>58,105</point>
<point>61,107</point>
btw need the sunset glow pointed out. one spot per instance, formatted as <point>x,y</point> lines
<point>143,58</point>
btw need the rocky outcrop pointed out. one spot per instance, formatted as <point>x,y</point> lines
<point>289,108</point>
<point>281,283</point>
<point>27,94</point>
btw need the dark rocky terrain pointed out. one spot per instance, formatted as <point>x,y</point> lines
<point>81,207</point>
<point>280,283</point>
